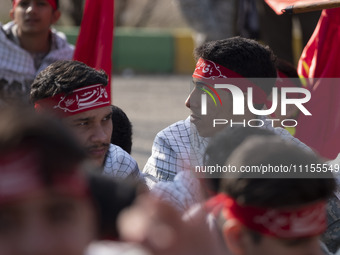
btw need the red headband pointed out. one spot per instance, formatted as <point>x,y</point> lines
<point>304,221</point>
<point>19,176</point>
<point>80,100</point>
<point>213,73</point>
<point>53,3</point>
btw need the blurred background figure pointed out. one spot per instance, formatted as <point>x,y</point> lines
<point>28,44</point>
<point>210,19</point>
<point>122,129</point>
<point>45,204</point>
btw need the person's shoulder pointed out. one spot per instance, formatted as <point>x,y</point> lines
<point>181,128</point>
<point>118,152</point>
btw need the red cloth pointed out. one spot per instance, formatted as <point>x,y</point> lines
<point>279,5</point>
<point>320,59</point>
<point>95,40</point>
<point>287,222</point>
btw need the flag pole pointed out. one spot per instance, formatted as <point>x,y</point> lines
<point>301,8</point>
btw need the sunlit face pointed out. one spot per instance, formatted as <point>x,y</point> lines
<point>204,123</point>
<point>93,129</point>
<point>34,16</point>
<point>46,223</point>
<point>274,246</point>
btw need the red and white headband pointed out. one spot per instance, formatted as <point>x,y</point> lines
<point>303,221</point>
<point>80,100</point>
<point>19,176</point>
<point>53,3</point>
<point>213,73</point>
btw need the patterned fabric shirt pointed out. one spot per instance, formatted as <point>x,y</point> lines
<point>120,164</point>
<point>18,67</point>
<point>177,148</point>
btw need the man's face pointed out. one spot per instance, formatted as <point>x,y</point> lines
<point>274,246</point>
<point>34,16</point>
<point>46,223</point>
<point>204,123</point>
<point>93,129</point>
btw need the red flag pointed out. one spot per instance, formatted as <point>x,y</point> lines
<point>320,59</point>
<point>94,43</point>
<point>307,5</point>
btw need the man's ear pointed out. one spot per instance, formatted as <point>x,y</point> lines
<point>56,16</point>
<point>233,235</point>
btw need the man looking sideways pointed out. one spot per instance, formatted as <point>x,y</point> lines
<point>45,205</point>
<point>75,93</point>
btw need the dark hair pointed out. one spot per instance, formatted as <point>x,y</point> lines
<point>55,146</point>
<point>274,192</point>
<point>244,56</point>
<point>122,129</point>
<point>289,70</point>
<point>253,189</point>
<point>110,197</point>
<point>222,145</point>
<point>64,76</point>
<point>286,67</point>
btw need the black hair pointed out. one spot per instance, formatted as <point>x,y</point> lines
<point>122,129</point>
<point>289,70</point>
<point>110,196</point>
<point>248,190</point>
<point>64,76</point>
<point>244,56</point>
<point>256,190</point>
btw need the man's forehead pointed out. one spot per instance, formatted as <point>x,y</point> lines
<point>92,114</point>
<point>199,82</point>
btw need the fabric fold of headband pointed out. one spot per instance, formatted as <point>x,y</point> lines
<point>53,3</point>
<point>213,73</point>
<point>299,222</point>
<point>80,100</point>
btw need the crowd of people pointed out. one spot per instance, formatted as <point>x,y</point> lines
<point>226,180</point>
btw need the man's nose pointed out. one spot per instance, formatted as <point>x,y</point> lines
<point>99,134</point>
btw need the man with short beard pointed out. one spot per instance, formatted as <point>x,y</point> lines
<point>75,93</point>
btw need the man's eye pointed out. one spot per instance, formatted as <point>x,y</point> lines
<point>109,117</point>
<point>81,124</point>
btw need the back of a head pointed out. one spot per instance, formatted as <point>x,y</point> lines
<point>56,150</point>
<point>243,56</point>
<point>122,129</point>
<point>110,197</point>
<point>254,190</point>
<point>222,145</point>
<point>64,76</point>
